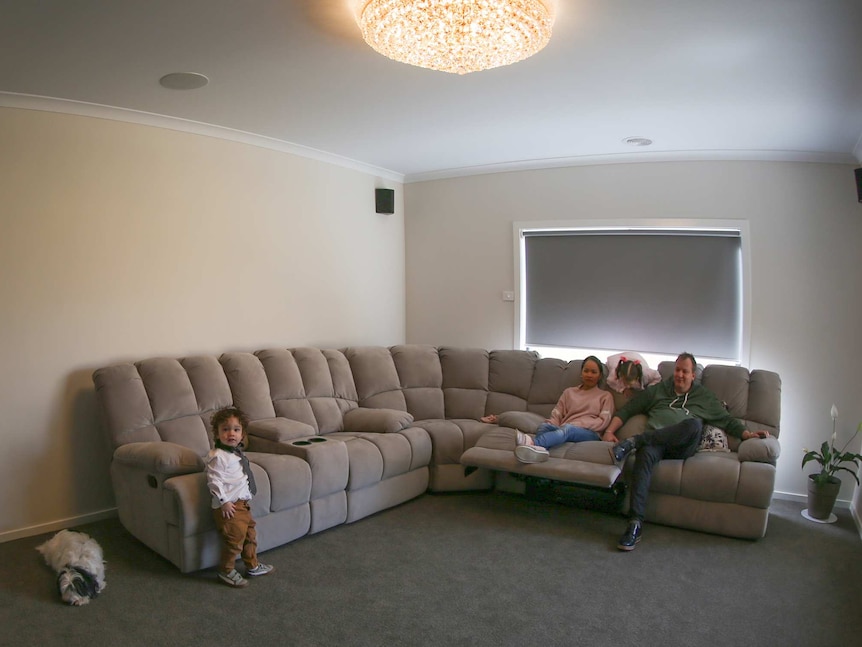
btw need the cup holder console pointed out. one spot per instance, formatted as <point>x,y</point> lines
<point>310,441</point>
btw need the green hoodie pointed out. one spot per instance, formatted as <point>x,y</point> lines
<point>663,407</point>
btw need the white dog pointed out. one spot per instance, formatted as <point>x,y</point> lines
<point>77,559</point>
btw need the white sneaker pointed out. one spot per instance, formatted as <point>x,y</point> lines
<point>260,569</point>
<point>233,579</point>
<point>531,454</point>
<point>523,439</point>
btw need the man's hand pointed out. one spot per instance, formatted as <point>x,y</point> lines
<point>227,509</point>
<point>761,433</point>
<point>610,434</point>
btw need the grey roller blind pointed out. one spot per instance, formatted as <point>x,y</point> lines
<point>652,291</point>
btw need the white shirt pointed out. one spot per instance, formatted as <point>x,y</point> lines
<point>225,479</point>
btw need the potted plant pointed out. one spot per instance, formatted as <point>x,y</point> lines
<point>823,486</point>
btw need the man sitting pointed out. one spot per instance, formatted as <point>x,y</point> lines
<point>676,410</point>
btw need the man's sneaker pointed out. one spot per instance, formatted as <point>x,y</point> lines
<point>631,536</point>
<point>523,439</point>
<point>531,454</point>
<point>260,569</point>
<point>233,579</point>
<point>621,450</point>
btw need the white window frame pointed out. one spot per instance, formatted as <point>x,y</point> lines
<point>654,224</point>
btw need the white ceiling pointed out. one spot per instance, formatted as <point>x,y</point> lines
<point>705,79</point>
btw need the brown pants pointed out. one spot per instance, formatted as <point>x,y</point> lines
<point>238,537</point>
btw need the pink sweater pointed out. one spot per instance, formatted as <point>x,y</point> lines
<point>590,409</point>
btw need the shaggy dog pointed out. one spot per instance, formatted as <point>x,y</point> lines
<point>77,559</point>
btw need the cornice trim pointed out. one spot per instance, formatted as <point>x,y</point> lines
<point>99,111</point>
<point>636,158</point>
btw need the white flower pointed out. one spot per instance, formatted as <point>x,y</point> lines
<point>834,412</point>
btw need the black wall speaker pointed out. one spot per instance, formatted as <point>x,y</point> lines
<point>859,183</point>
<point>384,200</point>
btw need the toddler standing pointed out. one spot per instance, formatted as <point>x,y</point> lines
<point>232,486</point>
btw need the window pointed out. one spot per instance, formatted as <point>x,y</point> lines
<point>657,289</point>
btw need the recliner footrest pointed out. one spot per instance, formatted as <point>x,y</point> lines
<point>577,495</point>
<point>557,469</point>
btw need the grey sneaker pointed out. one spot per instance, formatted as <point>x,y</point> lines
<point>260,569</point>
<point>531,454</point>
<point>622,450</point>
<point>233,579</point>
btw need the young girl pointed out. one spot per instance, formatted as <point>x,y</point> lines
<point>232,486</point>
<point>629,372</point>
<point>581,413</point>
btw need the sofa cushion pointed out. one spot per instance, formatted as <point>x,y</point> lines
<point>465,381</point>
<point>759,450</point>
<point>376,378</point>
<point>376,420</point>
<point>421,377</point>
<point>525,421</point>
<point>248,384</point>
<point>159,457</point>
<point>289,479</point>
<point>279,429</point>
<point>592,451</point>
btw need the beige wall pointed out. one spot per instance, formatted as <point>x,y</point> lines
<point>806,229</point>
<point>123,241</point>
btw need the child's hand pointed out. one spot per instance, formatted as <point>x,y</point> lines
<point>610,437</point>
<point>227,509</point>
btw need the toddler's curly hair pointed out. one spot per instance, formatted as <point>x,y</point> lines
<point>225,414</point>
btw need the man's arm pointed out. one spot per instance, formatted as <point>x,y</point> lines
<point>641,403</point>
<point>610,434</point>
<point>720,417</point>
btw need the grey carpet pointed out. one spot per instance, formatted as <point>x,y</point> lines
<point>467,569</point>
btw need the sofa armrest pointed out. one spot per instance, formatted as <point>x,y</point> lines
<point>280,429</point>
<point>164,458</point>
<point>759,450</point>
<point>525,421</point>
<point>377,420</point>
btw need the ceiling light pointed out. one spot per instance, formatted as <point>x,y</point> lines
<point>637,141</point>
<point>183,81</point>
<point>457,36</point>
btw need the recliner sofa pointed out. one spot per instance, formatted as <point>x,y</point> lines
<point>337,435</point>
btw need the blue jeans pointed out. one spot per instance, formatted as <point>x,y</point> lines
<point>548,435</point>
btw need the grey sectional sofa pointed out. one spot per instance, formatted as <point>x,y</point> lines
<point>337,435</point>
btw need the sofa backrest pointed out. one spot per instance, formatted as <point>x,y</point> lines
<point>172,399</point>
<point>310,385</point>
<point>551,377</point>
<point>752,396</point>
<point>162,399</point>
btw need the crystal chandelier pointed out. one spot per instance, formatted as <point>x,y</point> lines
<point>458,36</point>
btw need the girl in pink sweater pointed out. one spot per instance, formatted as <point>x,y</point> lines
<point>581,413</point>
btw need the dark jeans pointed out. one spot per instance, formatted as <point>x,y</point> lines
<point>677,441</point>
